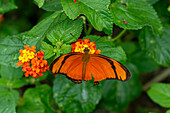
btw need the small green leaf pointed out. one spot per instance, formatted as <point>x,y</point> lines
<point>35,100</point>
<point>75,98</point>
<point>134,15</point>
<point>157,47</point>
<point>8,101</point>
<point>6,6</point>
<point>11,73</point>
<point>63,31</point>
<point>65,49</point>
<point>169,8</point>
<point>52,5</point>
<point>160,94</point>
<point>168,111</point>
<point>11,77</point>
<point>12,84</point>
<point>40,3</point>
<point>117,94</point>
<point>108,48</point>
<point>48,50</point>
<point>96,12</point>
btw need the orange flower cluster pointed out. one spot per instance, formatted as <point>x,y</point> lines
<point>80,45</point>
<point>31,62</point>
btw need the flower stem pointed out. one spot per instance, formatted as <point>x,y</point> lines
<point>119,35</point>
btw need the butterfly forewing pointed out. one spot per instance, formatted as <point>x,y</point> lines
<point>111,68</point>
<point>69,65</point>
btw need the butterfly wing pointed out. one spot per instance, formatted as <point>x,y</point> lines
<point>102,67</point>
<point>70,65</point>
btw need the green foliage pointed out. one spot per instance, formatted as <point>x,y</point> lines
<point>60,36</point>
<point>63,31</point>
<point>36,100</point>
<point>8,101</point>
<point>11,77</point>
<point>54,5</point>
<point>160,93</point>
<point>155,46</point>
<point>118,94</point>
<point>168,111</point>
<point>75,98</point>
<point>143,49</point>
<point>136,13</point>
<point>152,1</point>
<point>40,3</point>
<point>96,12</point>
<point>142,61</point>
<point>6,6</point>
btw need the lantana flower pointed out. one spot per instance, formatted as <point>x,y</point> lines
<point>32,62</point>
<point>80,45</point>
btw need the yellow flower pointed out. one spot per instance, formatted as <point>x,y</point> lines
<point>80,46</point>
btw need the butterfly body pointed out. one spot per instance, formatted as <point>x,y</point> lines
<point>82,66</point>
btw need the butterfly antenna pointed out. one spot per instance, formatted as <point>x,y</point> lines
<point>97,39</point>
<point>73,35</point>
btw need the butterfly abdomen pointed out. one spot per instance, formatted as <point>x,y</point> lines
<point>85,59</point>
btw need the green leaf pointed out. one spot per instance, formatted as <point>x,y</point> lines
<point>12,84</point>
<point>168,111</point>
<point>160,94</point>
<point>75,98</point>
<point>143,62</point>
<point>96,12</point>
<point>62,31</point>
<point>8,100</point>
<point>9,51</point>
<point>137,14</point>
<point>40,3</point>
<point>65,49</point>
<point>6,6</point>
<point>39,31</point>
<point>117,94</point>
<point>36,100</point>
<point>157,47</point>
<point>169,8</point>
<point>140,59</point>
<point>48,50</point>
<point>108,48</point>
<point>161,9</point>
<point>11,73</point>
<point>152,1</point>
<point>53,5</point>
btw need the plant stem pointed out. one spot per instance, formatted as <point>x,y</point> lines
<point>158,78</point>
<point>119,35</point>
<point>87,31</point>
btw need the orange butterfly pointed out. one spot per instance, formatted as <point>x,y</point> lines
<point>79,66</point>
